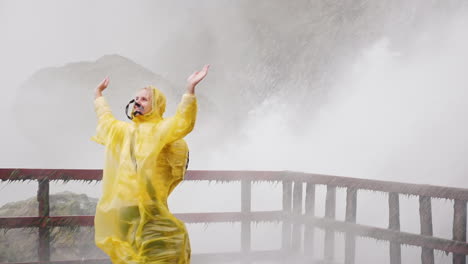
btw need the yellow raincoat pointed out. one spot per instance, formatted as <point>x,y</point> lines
<point>145,160</point>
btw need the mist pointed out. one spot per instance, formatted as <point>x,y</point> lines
<point>376,91</point>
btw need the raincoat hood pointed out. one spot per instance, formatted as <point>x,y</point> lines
<point>158,101</point>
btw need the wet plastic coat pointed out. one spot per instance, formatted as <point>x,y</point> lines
<point>145,160</point>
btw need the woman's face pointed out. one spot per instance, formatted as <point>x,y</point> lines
<point>144,99</point>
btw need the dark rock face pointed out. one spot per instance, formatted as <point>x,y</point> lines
<point>20,245</point>
<point>68,91</point>
<point>54,110</point>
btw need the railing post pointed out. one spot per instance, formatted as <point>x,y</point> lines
<point>309,228</point>
<point>44,232</point>
<point>297,212</point>
<point>394,224</point>
<point>459,228</point>
<point>246,197</point>
<point>330,209</point>
<point>350,242</point>
<point>286,230</point>
<point>425,216</point>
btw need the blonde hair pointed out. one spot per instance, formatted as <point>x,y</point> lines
<point>158,100</point>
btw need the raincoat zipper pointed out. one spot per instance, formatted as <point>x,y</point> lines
<point>132,150</point>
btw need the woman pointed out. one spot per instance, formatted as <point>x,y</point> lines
<point>145,160</point>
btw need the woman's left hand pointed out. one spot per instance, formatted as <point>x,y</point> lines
<point>195,78</point>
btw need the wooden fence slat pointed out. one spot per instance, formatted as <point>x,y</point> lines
<point>425,216</point>
<point>459,228</point>
<point>246,208</point>
<point>308,227</point>
<point>10,174</point>
<point>286,229</point>
<point>297,212</point>
<point>189,218</point>
<point>44,232</point>
<point>394,224</point>
<point>350,240</point>
<point>330,209</point>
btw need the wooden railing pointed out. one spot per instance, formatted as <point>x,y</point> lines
<point>297,226</point>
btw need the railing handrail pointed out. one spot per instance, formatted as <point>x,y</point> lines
<point>9,174</point>
<point>323,223</point>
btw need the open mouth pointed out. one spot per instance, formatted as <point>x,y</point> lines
<point>138,107</point>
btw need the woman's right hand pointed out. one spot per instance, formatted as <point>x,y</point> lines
<point>101,87</point>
